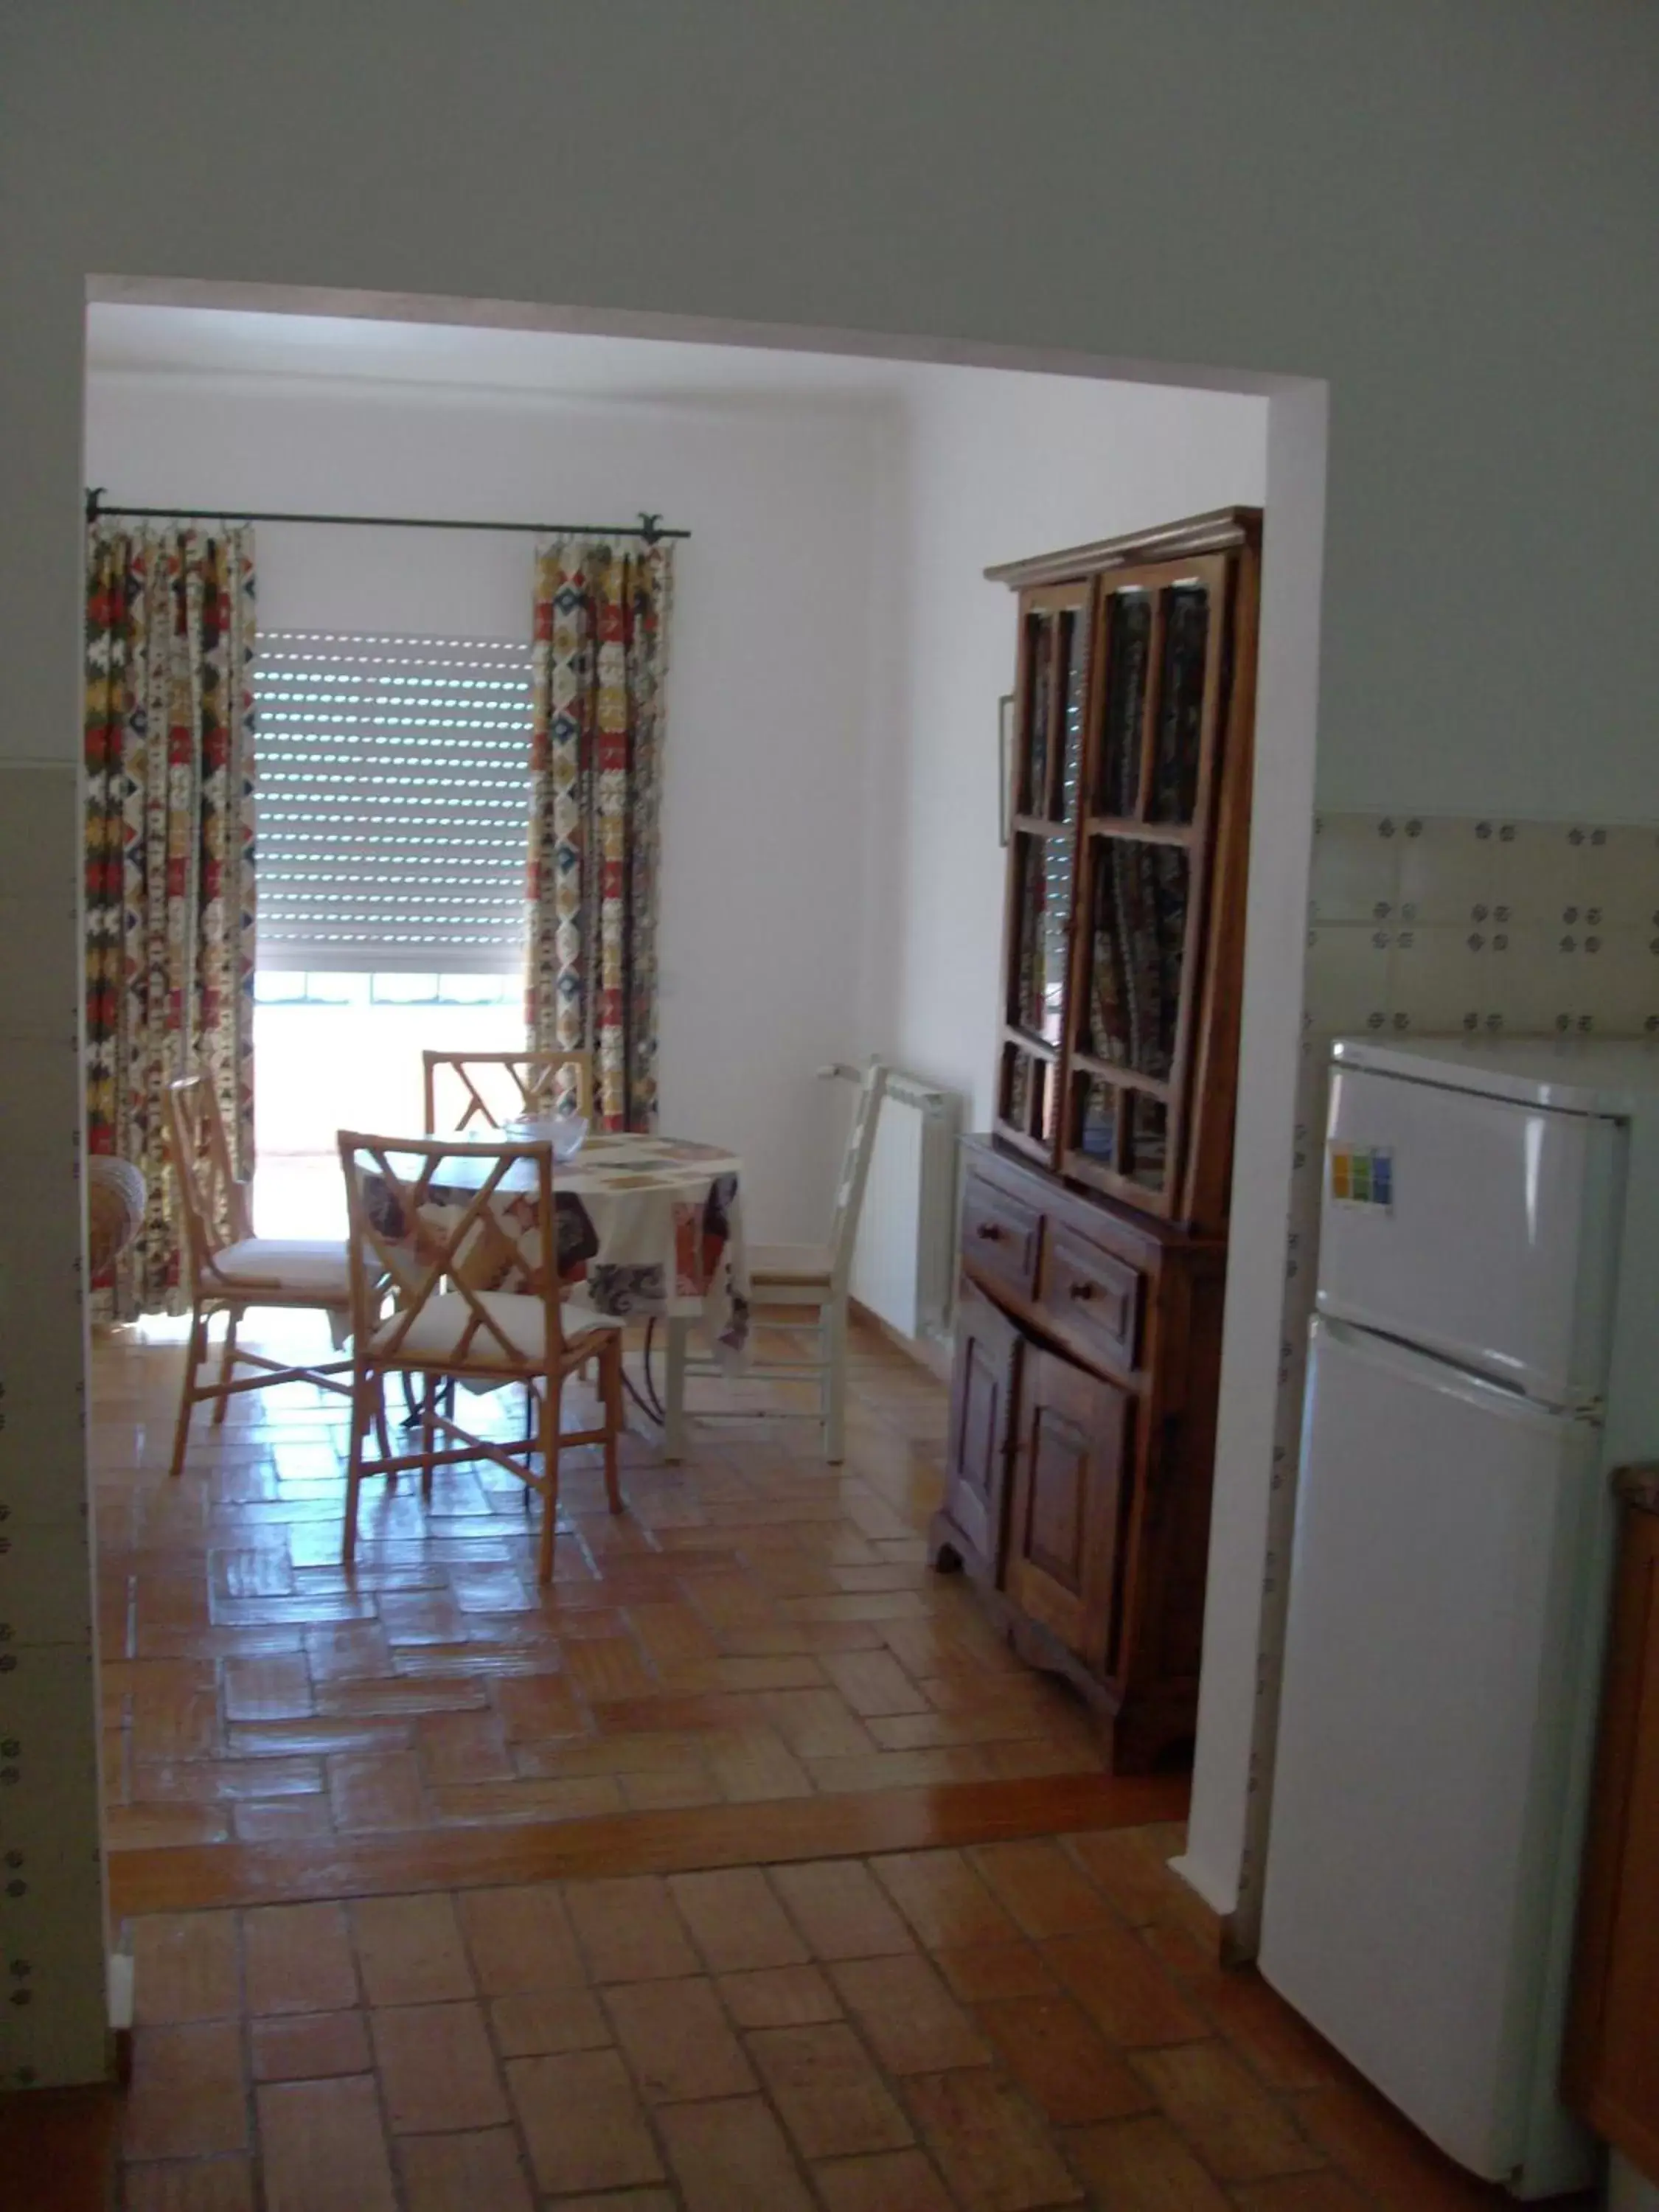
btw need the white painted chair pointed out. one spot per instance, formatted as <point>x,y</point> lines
<point>809,1282</point>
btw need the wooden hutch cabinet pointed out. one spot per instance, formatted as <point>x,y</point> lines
<point>1094,1217</point>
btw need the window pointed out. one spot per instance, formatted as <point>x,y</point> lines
<point>394,796</point>
<point>337,986</point>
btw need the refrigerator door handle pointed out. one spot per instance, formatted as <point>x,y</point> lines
<point>1428,1371</point>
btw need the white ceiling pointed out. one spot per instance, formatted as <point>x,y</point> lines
<point>223,341</point>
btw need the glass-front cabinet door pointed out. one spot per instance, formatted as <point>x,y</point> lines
<point>1047,775</point>
<point>1150,773</point>
<point>1122,831</point>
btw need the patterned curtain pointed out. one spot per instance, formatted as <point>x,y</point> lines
<point>169,897</point>
<point>601,654</point>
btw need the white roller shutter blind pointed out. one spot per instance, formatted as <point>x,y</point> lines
<point>392,799</point>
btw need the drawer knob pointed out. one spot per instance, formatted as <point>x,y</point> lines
<point>1083,1291</point>
<point>989,1231</point>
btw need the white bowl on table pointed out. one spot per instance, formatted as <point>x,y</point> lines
<point>565,1132</point>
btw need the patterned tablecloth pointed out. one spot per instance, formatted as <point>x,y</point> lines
<point>648,1226</point>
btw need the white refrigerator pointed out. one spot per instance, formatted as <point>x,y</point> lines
<point>1488,1247</point>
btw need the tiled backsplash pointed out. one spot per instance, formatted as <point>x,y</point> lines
<point>1432,924</point>
<point>53,2014</point>
<point>1438,923</point>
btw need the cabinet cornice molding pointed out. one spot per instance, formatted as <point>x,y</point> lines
<point>1222,531</point>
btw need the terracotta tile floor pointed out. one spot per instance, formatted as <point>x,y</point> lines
<point>1020,2025</point>
<point>759,1626</point>
<point>1015,2024</point>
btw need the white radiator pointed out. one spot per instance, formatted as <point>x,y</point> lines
<point>905,1261</point>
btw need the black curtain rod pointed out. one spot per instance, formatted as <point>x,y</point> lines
<point>649,526</point>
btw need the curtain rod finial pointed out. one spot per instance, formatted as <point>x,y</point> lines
<point>95,494</point>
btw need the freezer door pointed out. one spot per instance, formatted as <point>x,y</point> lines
<point>1422,1778</point>
<point>1479,1229</point>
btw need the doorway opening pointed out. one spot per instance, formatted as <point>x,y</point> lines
<point>840,836</point>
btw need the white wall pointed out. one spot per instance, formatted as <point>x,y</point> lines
<point>1236,1698</point>
<point>769,680</point>
<point>996,467</point>
<point>1446,213</point>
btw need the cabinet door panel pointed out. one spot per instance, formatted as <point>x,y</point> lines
<point>1045,806</point>
<point>983,1383</point>
<point>1128,634</point>
<point>1138,902</point>
<point>1140,891</point>
<point>1043,886</point>
<point>1178,729</point>
<point>1071,1469</point>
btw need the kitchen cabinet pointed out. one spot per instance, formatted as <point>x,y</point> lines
<point>1081,1434</point>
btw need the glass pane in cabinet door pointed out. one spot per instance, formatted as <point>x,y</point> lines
<point>1033,780</point>
<point>1045,1106</point>
<point>1148,1146</point>
<point>1179,728</point>
<point>1128,639</point>
<point>1074,659</point>
<point>1027,1094</point>
<point>1043,913</point>
<point>1016,1106</point>
<point>1137,950</point>
<point>1094,1120</point>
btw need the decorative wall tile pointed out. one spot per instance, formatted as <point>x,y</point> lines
<point>1544,875</point>
<point>1436,972</point>
<point>1628,982</point>
<point>1626,887</point>
<point>1528,928</point>
<point>46,1592</point>
<point>1356,870</point>
<point>53,2009</point>
<point>1346,981</point>
<point>1446,872</point>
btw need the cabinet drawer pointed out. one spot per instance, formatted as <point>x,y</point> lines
<point>1002,1237</point>
<point>1091,1297</point>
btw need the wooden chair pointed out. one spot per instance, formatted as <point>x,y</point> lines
<point>467,1236</point>
<point>482,1091</point>
<point>115,1210</point>
<point>807,1282</point>
<point>230,1269</point>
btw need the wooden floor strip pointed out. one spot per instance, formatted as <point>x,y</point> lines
<point>198,1877</point>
